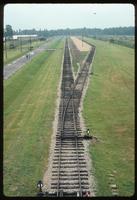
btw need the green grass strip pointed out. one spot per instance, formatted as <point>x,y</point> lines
<point>109,113</point>
<point>29,105</point>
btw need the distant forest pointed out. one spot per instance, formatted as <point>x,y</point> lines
<point>78,31</point>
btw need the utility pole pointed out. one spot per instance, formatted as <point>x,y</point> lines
<point>82,36</point>
<point>20,44</point>
<point>82,39</point>
<point>30,42</point>
<point>5,47</point>
<point>13,43</point>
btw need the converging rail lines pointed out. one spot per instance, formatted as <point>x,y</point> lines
<point>69,167</point>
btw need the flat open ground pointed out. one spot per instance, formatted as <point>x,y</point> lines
<point>82,46</point>
<point>29,106</point>
<point>109,113</point>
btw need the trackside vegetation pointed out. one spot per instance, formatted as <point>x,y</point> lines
<point>128,41</point>
<point>29,106</point>
<point>109,114</point>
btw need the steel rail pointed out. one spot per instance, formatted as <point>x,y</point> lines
<point>76,142</point>
<point>70,104</point>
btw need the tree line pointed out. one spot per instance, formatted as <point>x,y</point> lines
<point>8,31</point>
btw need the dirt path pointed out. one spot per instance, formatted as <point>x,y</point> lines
<point>82,46</point>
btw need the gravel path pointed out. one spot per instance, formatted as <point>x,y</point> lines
<point>82,46</point>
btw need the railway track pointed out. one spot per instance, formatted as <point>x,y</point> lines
<point>69,168</point>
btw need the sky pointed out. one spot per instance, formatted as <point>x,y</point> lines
<point>61,16</point>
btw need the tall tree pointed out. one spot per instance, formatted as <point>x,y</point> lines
<point>79,31</point>
<point>8,31</point>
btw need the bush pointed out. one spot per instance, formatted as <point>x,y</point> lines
<point>11,46</point>
<point>111,40</point>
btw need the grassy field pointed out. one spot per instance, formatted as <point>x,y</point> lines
<point>29,102</point>
<point>109,113</point>
<point>13,54</point>
<point>128,41</point>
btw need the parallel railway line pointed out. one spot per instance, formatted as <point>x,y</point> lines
<point>69,167</point>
